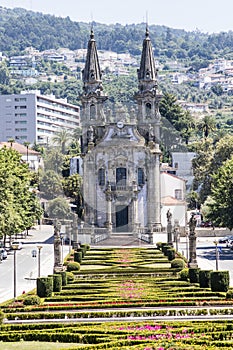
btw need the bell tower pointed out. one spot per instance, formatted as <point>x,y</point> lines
<point>148,96</point>
<point>93,119</point>
<point>148,121</point>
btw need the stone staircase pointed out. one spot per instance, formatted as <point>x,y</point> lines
<point>121,239</point>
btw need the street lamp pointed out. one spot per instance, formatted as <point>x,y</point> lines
<point>216,253</point>
<point>62,244</point>
<point>15,247</point>
<point>39,249</point>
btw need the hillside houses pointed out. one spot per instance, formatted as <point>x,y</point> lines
<point>219,72</point>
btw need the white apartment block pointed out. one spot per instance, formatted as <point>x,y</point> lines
<point>32,117</point>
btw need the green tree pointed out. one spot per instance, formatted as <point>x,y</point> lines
<point>53,160</point>
<point>221,203</point>
<point>4,74</point>
<point>61,138</point>
<point>72,186</point>
<point>207,125</point>
<point>59,208</point>
<point>50,185</point>
<point>19,206</point>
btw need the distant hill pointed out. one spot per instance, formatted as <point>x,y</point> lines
<point>20,28</point>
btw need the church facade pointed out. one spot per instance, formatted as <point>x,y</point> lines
<point>121,155</point>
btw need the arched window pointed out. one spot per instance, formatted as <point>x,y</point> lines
<point>101,177</point>
<point>148,109</point>
<point>141,179</point>
<point>92,111</point>
<point>121,176</point>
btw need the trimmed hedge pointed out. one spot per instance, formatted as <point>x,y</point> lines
<point>204,278</point>
<point>73,266</point>
<point>78,256</point>
<point>229,294</point>
<point>171,254</point>
<point>178,263</point>
<point>44,287</point>
<point>32,300</point>
<point>184,274</point>
<point>64,278</point>
<point>220,281</point>
<point>194,275</point>
<point>57,282</point>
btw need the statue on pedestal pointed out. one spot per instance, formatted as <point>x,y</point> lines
<point>169,227</point>
<point>58,265</point>
<point>192,242</point>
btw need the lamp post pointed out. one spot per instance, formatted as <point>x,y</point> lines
<point>216,253</point>
<point>187,245</point>
<point>39,250</point>
<point>15,247</point>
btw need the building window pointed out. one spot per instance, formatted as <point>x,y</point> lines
<point>176,165</point>
<point>178,194</point>
<point>101,177</point>
<point>148,109</point>
<point>121,176</point>
<point>141,179</point>
<point>92,111</point>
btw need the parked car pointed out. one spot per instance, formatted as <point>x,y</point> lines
<point>229,243</point>
<point>19,244</point>
<point>3,254</point>
<point>206,224</point>
<point>225,239</point>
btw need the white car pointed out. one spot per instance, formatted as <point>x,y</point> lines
<point>18,244</point>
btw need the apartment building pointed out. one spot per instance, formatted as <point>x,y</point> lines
<point>32,117</point>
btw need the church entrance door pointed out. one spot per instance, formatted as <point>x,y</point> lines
<point>122,218</point>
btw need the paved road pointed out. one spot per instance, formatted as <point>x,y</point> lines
<point>206,255</point>
<point>26,265</point>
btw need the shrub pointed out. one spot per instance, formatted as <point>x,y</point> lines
<point>44,286</point>
<point>171,254</point>
<point>78,257</point>
<point>32,300</point>
<point>82,251</point>
<point>184,274</point>
<point>57,282</point>
<point>73,266</point>
<point>63,277</point>
<point>229,294</point>
<point>70,276</point>
<point>1,316</point>
<point>165,247</point>
<point>204,278</point>
<point>219,281</point>
<point>178,263</point>
<point>194,275</point>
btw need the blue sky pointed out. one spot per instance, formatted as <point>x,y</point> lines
<point>206,15</point>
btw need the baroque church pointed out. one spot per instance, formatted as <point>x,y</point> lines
<point>121,155</point>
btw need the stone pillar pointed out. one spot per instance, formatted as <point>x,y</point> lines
<point>157,189</point>
<point>135,208</point>
<point>75,228</point>
<point>108,195</point>
<point>58,266</point>
<point>192,243</point>
<point>169,228</point>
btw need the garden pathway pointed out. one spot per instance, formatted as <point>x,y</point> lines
<point>121,240</point>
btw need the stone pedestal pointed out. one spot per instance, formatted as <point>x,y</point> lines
<point>169,234</point>
<point>192,243</point>
<point>58,264</point>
